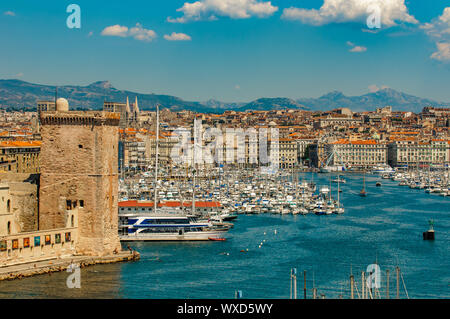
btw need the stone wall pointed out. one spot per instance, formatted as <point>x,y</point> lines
<point>79,163</point>
<point>21,191</point>
<point>37,246</point>
<point>24,205</point>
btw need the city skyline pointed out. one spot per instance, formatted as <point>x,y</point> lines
<point>232,54</point>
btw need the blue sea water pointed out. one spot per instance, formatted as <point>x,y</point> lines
<point>384,227</point>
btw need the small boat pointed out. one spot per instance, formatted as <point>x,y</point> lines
<point>378,184</point>
<point>339,179</point>
<point>217,238</point>
<point>229,217</point>
<point>363,192</point>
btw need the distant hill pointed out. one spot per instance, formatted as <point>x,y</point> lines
<point>368,102</point>
<point>15,93</point>
<point>24,95</point>
<point>272,104</point>
<point>221,106</point>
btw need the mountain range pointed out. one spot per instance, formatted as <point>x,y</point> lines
<point>17,94</point>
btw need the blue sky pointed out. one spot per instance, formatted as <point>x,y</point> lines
<point>234,54</point>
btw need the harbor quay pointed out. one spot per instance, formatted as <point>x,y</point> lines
<point>49,265</point>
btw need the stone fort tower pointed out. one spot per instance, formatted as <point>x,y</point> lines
<point>79,169</point>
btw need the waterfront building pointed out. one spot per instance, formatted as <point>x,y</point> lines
<point>357,153</point>
<point>337,120</point>
<point>288,155</point>
<point>412,152</point>
<point>21,240</point>
<point>19,156</point>
<point>167,141</point>
<point>147,207</point>
<point>134,154</point>
<point>304,145</point>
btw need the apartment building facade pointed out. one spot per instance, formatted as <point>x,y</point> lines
<point>409,152</point>
<point>358,153</point>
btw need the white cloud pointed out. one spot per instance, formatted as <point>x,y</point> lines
<point>235,9</point>
<point>439,31</point>
<point>115,31</point>
<point>443,52</point>
<point>9,13</point>
<point>356,48</point>
<point>342,11</point>
<point>142,34</point>
<point>177,37</point>
<point>137,32</point>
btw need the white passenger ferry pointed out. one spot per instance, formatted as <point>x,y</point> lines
<point>162,227</point>
<point>382,169</point>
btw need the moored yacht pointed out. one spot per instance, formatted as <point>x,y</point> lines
<point>382,169</point>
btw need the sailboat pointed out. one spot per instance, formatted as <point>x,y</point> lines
<point>363,192</point>
<point>339,209</point>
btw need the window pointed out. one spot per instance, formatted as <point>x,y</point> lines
<point>71,221</point>
<point>68,204</point>
<point>81,203</point>
<point>8,227</point>
<point>3,245</point>
<point>8,206</point>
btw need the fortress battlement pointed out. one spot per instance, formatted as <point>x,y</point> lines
<point>80,118</point>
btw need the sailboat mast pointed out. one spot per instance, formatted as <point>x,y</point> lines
<point>339,180</point>
<point>156,157</point>
<point>193,167</point>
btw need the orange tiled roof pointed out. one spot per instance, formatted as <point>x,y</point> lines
<point>356,142</point>
<point>20,143</point>
<point>403,138</point>
<point>135,203</point>
<point>404,133</point>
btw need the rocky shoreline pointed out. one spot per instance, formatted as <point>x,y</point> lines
<point>55,265</point>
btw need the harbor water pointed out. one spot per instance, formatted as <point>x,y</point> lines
<point>384,228</point>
